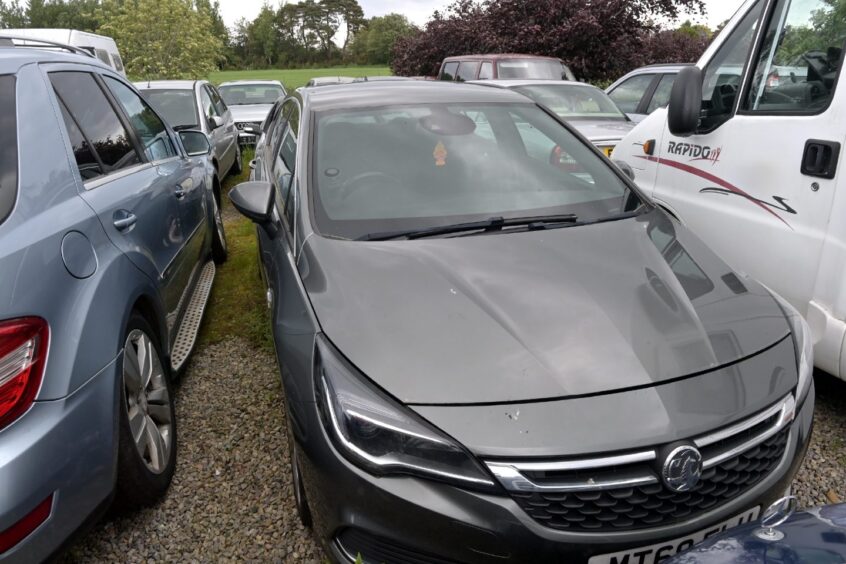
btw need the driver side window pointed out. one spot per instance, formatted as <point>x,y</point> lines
<point>799,59</point>
<point>722,77</point>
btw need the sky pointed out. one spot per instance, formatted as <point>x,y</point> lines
<point>418,11</point>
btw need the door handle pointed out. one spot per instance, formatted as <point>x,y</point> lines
<point>123,220</point>
<point>820,158</point>
<point>179,192</point>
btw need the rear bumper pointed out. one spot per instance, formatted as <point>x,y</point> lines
<point>65,448</point>
<point>405,519</point>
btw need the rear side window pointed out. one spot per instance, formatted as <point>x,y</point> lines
<point>449,71</point>
<point>486,72</point>
<point>98,123</point>
<point>629,94</point>
<point>8,146</point>
<point>467,70</point>
<point>661,96</point>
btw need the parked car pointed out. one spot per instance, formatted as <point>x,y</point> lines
<point>489,358</point>
<point>504,66</point>
<point>813,536</point>
<point>750,162</point>
<point>101,46</point>
<point>196,104</point>
<point>109,222</point>
<point>585,107</point>
<point>250,101</point>
<point>644,90</point>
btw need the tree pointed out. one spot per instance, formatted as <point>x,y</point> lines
<point>373,42</point>
<point>598,39</point>
<point>162,38</point>
<point>65,14</point>
<point>12,14</point>
<point>212,9</point>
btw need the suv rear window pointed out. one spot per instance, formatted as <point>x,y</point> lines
<point>8,146</point>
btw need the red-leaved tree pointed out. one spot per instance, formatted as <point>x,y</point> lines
<point>599,40</point>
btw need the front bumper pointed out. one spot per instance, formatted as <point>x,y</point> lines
<point>406,519</point>
<point>65,448</point>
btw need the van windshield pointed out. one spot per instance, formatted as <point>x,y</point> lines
<point>423,166</point>
<point>178,107</point>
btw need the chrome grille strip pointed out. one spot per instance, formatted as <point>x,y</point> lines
<point>510,473</point>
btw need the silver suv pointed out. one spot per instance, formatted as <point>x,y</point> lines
<point>108,225</point>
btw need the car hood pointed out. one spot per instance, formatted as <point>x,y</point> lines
<point>536,315</point>
<point>603,130</point>
<point>250,113</point>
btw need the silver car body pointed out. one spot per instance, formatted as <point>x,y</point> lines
<point>224,137</point>
<point>646,85</point>
<point>245,115</point>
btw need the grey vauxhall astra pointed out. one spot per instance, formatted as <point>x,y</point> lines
<point>489,355</point>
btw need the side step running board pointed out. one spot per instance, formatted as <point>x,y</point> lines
<point>187,335</point>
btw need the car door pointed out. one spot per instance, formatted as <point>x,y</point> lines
<point>757,180</point>
<point>136,205</point>
<point>184,176</point>
<point>629,94</point>
<point>216,134</point>
<point>228,133</point>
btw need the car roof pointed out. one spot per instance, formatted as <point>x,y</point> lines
<point>663,67</point>
<point>513,82</point>
<point>166,84</point>
<point>390,93</point>
<point>13,58</point>
<point>244,82</point>
<point>493,56</point>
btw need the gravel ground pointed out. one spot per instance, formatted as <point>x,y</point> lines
<point>231,498</point>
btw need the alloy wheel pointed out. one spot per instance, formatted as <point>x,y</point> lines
<point>147,399</point>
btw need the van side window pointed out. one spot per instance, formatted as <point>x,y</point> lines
<point>799,59</point>
<point>467,70</point>
<point>486,72</point>
<point>98,123</point>
<point>118,62</point>
<point>8,146</point>
<point>724,73</point>
<point>449,71</point>
<point>149,128</point>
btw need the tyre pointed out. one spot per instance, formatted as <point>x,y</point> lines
<point>303,511</point>
<point>219,249</point>
<point>147,426</point>
<point>238,165</point>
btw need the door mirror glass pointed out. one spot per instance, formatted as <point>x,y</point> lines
<point>215,122</point>
<point>196,143</point>
<point>254,200</point>
<point>685,102</point>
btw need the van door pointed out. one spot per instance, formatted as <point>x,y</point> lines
<point>757,181</point>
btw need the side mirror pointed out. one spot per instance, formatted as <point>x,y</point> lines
<point>685,102</point>
<point>626,169</point>
<point>254,200</point>
<point>215,122</point>
<point>196,143</point>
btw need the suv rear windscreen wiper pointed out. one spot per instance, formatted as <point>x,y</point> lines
<point>490,224</point>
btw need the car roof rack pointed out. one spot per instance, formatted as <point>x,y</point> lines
<point>9,41</point>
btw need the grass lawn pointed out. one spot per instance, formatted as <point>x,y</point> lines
<point>294,78</point>
<point>237,304</point>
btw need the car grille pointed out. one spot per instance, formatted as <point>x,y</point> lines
<point>625,492</point>
<point>244,124</point>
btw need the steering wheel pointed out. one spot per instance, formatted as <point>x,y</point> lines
<point>366,180</point>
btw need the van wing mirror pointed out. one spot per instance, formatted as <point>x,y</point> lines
<point>685,102</point>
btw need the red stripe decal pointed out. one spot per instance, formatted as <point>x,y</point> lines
<point>711,178</point>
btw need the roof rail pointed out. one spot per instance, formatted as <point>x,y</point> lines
<point>9,41</point>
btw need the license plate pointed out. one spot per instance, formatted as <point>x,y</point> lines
<point>607,151</point>
<point>657,552</point>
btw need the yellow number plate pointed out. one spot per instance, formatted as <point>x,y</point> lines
<point>607,151</point>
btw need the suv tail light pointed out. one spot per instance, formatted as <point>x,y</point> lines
<point>23,352</point>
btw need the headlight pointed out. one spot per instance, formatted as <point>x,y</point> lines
<point>373,431</point>
<point>804,344</point>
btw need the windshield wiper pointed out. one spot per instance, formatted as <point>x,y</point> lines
<point>490,224</point>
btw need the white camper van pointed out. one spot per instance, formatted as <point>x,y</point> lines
<point>102,47</point>
<point>748,155</point>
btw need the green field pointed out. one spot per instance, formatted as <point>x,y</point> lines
<point>294,78</point>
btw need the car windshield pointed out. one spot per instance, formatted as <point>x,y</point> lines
<point>574,102</point>
<point>178,107</point>
<point>245,94</point>
<point>423,166</point>
<point>530,68</point>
